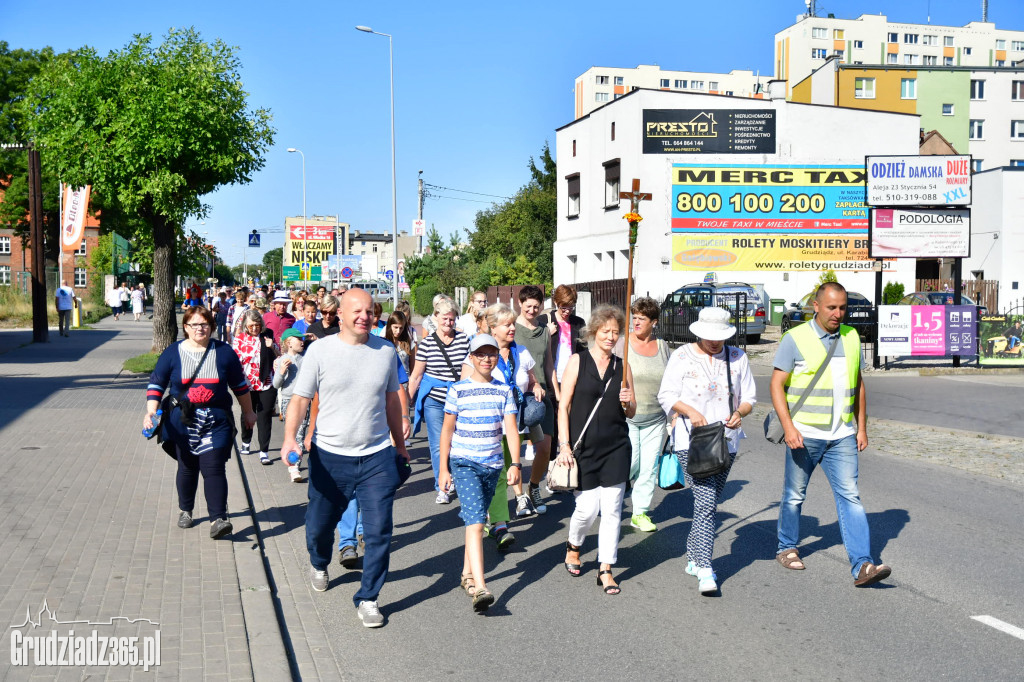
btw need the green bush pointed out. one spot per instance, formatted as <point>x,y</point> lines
<point>892,293</point>
<point>423,298</point>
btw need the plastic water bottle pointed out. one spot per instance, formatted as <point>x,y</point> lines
<point>148,433</point>
<point>293,458</point>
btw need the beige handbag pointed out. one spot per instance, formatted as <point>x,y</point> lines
<point>563,478</point>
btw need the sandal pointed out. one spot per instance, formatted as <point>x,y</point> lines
<point>790,557</point>
<point>468,585</point>
<point>608,589</point>
<point>574,569</point>
<point>482,600</point>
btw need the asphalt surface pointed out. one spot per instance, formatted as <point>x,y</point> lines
<point>953,539</point>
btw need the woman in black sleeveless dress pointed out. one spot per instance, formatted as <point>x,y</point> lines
<point>604,453</point>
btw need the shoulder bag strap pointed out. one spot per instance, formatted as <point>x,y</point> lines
<point>199,367</point>
<point>817,375</point>
<point>728,378</point>
<point>444,353</point>
<point>597,404</point>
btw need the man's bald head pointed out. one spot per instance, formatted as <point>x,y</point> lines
<point>356,313</point>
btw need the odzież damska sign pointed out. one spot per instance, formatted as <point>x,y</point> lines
<point>920,233</point>
<point>709,131</point>
<point>918,180</point>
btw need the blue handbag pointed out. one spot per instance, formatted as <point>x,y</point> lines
<point>670,472</point>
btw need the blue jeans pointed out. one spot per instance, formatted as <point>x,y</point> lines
<point>334,480</point>
<point>1012,342</point>
<point>838,459</point>
<point>433,415</point>
<point>351,525</point>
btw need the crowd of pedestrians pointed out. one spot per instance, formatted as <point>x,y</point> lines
<point>352,385</point>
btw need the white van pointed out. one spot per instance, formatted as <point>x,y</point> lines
<point>379,291</point>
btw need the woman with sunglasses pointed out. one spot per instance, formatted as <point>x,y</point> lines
<point>257,352</point>
<point>197,428</point>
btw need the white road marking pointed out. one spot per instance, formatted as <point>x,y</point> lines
<point>1011,630</point>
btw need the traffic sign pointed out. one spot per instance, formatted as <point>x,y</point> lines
<point>254,239</point>
<point>389,275</point>
<point>419,228</point>
<point>346,273</point>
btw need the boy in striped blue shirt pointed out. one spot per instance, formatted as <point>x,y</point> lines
<point>475,411</point>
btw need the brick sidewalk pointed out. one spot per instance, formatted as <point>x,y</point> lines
<point>90,512</point>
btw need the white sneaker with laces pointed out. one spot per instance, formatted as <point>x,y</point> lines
<point>523,506</point>
<point>264,458</point>
<point>296,475</point>
<point>706,581</point>
<point>244,449</point>
<point>370,614</point>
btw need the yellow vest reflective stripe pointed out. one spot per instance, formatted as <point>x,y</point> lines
<point>817,409</point>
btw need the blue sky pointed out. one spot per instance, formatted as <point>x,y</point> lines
<point>479,87</point>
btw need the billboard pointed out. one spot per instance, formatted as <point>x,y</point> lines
<point>310,244</point>
<point>918,180</point>
<point>769,217</point>
<point>920,233</point>
<point>935,330</point>
<point>999,339</point>
<point>709,131</point>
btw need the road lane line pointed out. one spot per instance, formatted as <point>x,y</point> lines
<point>1011,630</point>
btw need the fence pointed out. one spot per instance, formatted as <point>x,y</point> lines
<point>984,291</point>
<point>508,295</point>
<point>611,291</point>
<point>678,313</point>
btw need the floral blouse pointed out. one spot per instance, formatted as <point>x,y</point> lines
<point>247,347</point>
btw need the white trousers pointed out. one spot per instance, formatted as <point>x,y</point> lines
<point>590,503</point>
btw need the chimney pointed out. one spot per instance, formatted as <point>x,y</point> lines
<point>777,89</point>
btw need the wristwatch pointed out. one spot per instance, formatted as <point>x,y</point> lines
<point>519,465</point>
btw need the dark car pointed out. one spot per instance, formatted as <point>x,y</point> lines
<point>939,298</point>
<point>860,314</point>
<point>683,305</point>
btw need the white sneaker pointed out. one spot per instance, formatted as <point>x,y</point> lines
<point>264,458</point>
<point>370,614</point>
<point>244,449</point>
<point>523,506</point>
<point>706,581</point>
<point>296,475</point>
<point>691,568</point>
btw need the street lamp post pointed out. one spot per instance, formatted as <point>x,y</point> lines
<point>394,186</point>
<point>292,150</point>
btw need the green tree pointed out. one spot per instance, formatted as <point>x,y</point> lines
<point>155,128</point>
<point>272,262</point>
<point>892,293</point>
<point>827,276</point>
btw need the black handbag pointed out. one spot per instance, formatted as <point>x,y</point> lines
<point>708,452</point>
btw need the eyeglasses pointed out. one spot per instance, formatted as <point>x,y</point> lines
<point>485,356</point>
<point>329,313</point>
<point>568,309</point>
<point>198,326</point>
<point>480,302</point>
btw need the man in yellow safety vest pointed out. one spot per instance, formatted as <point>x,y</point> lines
<point>829,429</point>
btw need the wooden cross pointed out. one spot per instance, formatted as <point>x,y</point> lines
<point>635,197</point>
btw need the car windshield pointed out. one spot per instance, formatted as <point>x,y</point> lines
<point>946,298</point>
<point>857,299</point>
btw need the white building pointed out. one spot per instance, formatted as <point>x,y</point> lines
<point>997,232</point>
<point>873,39</point>
<point>767,192</point>
<point>599,85</point>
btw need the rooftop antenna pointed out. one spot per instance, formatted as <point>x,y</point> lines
<point>812,10</point>
<point>984,11</point>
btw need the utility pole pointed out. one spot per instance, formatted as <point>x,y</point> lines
<point>419,210</point>
<point>40,329</point>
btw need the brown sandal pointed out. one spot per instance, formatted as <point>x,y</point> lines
<point>790,557</point>
<point>469,585</point>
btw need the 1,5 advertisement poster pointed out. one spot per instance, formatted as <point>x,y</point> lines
<point>1000,339</point>
<point>769,217</point>
<point>927,330</point>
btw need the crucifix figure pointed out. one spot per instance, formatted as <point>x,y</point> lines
<point>633,217</point>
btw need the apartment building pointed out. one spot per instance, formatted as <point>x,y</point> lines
<point>379,244</point>
<point>978,110</point>
<point>599,85</point>
<point>873,39</point>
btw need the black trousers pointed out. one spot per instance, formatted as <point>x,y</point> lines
<point>64,321</point>
<point>263,404</point>
<point>215,481</point>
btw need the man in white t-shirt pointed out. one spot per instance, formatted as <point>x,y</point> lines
<point>65,302</point>
<point>114,301</point>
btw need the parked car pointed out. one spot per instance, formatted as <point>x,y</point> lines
<point>861,314</point>
<point>939,298</point>
<point>683,305</point>
<point>379,291</point>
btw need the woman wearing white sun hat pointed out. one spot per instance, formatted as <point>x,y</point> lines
<point>695,389</point>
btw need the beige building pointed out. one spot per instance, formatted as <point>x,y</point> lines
<point>599,85</point>
<point>873,39</point>
<point>379,244</point>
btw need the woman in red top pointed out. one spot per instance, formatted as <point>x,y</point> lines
<point>255,347</point>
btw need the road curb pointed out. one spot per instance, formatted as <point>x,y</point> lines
<point>268,653</point>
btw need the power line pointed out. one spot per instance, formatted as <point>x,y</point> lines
<point>463,191</point>
<point>441,196</point>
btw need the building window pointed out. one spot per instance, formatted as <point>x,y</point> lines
<point>573,192</point>
<point>838,33</point>
<point>947,61</point>
<point>1000,44</point>
<point>1017,162</point>
<point>976,131</point>
<point>1000,62</point>
<point>894,37</point>
<point>977,89</point>
<point>679,83</point>
<point>947,41</point>
<point>892,59</point>
<point>1017,91</point>
<point>5,274</point>
<point>947,109</point>
<point>858,44</point>
<point>80,281</point>
<point>857,61</point>
<point>81,249</point>
<point>976,163</point>
<point>375,248</point>
<point>821,33</point>
<point>5,244</point>
<point>602,80</point>
<point>729,93</point>
<point>1017,130</point>
<point>908,88</point>
<point>1017,45</point>
<point>611,184</point>
<point>838,53</point>
<point>818,53</point>
<point>664,82</point>
<point>929,40</point>
<point>618,80</point>
<point>613,131</point>
<point>712,85</point>
<point>864,88</point>
<point>574,147</point>
<point>930,60</point>
<point>600,96</point>
<point>617,95</point>
<point>967,51</point>
<point>697,85</point>
<point>910,38</point>
<point>910,59</point>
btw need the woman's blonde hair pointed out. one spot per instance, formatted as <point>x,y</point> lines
<point>443,304</point>
<point>600,317</point>
<point>497,314</point>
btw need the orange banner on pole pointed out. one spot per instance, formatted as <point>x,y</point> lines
<point>72,222</point>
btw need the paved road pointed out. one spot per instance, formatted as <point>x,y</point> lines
<point>953,539</point>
